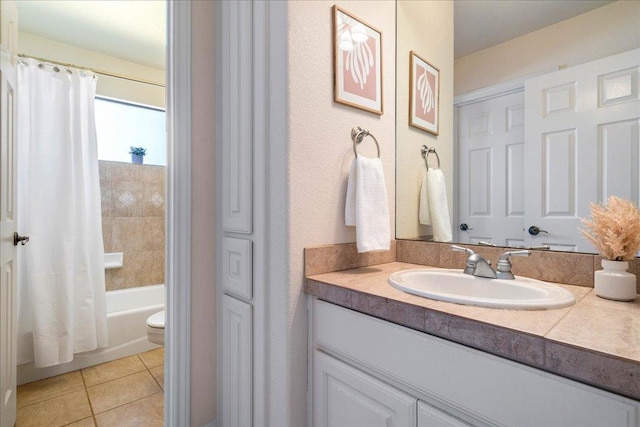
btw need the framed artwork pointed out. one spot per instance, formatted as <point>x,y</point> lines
<point>357,62</point>
<point>424,95</point>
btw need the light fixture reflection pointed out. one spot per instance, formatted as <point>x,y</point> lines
<point>346,43</point>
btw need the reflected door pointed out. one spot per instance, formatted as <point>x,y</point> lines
<point>491,171</point>
<point>582,145</point>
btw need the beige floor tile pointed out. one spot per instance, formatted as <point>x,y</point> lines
<point>147,412</point>
<point>87,422</point>
<point>158,374</point>
<point>153,358</point>
<point>112,370</point>
<point>49,388</point>
<point>55,412</point>
<point>114,393</point>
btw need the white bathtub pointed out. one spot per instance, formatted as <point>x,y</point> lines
<point>127,312</point>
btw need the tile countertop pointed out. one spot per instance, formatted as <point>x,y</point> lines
<point>596,341</point>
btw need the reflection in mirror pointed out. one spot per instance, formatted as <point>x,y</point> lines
<point>536,124</point>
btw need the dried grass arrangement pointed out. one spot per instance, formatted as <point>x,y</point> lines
<point>614,229</point>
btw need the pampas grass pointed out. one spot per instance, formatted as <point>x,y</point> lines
<point>614,229</point>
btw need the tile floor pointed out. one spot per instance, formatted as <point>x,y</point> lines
<point>124,392</point>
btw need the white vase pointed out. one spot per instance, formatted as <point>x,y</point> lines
<point>614,282</point>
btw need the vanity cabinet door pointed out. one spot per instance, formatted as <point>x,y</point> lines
<point>346,397</point>
<point>428,416</point>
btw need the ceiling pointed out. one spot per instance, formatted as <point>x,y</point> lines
<point>130,30</point>
<point>480,24</point>
<point>135,30</point>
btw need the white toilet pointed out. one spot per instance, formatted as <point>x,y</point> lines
<point>155,328</point>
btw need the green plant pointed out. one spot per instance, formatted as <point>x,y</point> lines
<point>138,151</point>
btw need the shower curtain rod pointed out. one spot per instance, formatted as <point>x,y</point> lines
<point>94,70</point>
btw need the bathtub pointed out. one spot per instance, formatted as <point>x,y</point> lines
<point>127,312</point>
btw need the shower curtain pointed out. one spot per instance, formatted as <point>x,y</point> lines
<point>61,284</point>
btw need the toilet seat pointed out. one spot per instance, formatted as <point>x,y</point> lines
<point>155,328</point>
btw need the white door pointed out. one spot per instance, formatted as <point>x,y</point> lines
<point>346,397</point>
<point>8,282</point>
<point>491,171</point>
<point>582,145</point>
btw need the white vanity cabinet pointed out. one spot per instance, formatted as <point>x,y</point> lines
<point>369,372</point>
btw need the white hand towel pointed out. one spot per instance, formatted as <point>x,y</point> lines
<point>438,206</point>
<point>424,214</point>
<point>367,206</point>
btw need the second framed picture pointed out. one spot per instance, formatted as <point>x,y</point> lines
<point>424,96</point>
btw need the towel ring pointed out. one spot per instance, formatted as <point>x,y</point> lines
<point>425,155</point>
<point>358,134</point>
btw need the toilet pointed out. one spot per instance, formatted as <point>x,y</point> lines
<point>155,328</point>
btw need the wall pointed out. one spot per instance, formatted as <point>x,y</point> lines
<point>601,32</point>
<point>427,29</point>
<point>111,87</point>
<point>320,154</point>
<point>133,206</point>
<point>203,302</point>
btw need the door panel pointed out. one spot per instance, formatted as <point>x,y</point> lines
<point>582,140</point>
<point>8,279</point>
<point>491,170</point>
<point>344,396</point>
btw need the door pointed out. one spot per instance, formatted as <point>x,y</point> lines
<point>8,282</point>
<point>491,171</point>
<point>346,397</point>
<point>581,132</point>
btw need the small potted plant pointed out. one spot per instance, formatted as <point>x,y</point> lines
<point>137,155</point>
<point>614,230</point>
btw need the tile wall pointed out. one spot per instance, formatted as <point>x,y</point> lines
<point>133,213</point>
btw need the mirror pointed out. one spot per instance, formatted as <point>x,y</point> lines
<point>520,166</point>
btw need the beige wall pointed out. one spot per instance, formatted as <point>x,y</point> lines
<point>112,87</point>
<point>133,205</point>
<point>426,28</point>
<point>605,31</point>
<point>320,154</point>
<point>203,302</point>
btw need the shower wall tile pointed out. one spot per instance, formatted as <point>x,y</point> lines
<point>133,212</point>
<point>107,231</point>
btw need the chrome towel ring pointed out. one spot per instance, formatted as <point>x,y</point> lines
<point>425,155</point>
<point>358,134</point>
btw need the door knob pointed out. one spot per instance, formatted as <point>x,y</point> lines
<point>19,239</point>
<point>534,231</point>
<point>465,227</point>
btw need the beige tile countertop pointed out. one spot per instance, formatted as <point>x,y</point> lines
<point>596,341</point>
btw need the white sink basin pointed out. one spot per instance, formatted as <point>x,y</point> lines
<point>454,286</point>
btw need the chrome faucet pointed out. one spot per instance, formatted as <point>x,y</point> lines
<point>480,267</point>
<point>476,264</point>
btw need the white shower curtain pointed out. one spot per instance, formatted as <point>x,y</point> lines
<point>62,309</point>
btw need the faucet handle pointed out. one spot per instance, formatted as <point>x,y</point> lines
<point>504,265</point>
<point>456,248</point>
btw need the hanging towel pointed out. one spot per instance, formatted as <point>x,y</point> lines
<point>438,205</point>
<point>367,207</point>
<point>424,214</point>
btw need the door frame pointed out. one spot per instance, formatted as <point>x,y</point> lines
<point>177,396</point>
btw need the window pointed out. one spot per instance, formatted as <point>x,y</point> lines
<point>121,125</point>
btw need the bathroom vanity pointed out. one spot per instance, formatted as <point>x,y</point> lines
<point>379,356</point>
